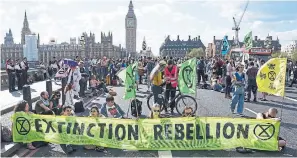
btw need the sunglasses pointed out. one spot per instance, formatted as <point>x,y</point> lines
<point>156,110</point>
<point>68,110</point>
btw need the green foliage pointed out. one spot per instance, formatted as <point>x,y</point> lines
<point>279,55</point>
<point>294,55</point>
<point>196,52</point>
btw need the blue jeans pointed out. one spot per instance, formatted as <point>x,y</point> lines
<point>237,98</point>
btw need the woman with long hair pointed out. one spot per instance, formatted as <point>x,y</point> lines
<point>238,94</point>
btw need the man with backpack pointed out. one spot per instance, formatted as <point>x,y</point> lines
<point>200,70</point>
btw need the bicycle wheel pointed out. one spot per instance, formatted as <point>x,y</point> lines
<point>181,103</point>
<point>150,102</point>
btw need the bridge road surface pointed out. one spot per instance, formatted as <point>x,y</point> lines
<point>210,104</point>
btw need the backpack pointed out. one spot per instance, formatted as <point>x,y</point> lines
<point>136,108</point>
<point>150,66</point>
<point>201,65</point>
<point>6,134</point>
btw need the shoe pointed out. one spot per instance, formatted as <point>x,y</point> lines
<point>247,101</point>
<point>255,100</point>
<point>232,111</point>
<point>241,115</point>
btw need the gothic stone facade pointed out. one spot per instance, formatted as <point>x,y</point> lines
<point>86,48</point>
<point>179,48</point>
<point>131,27</point>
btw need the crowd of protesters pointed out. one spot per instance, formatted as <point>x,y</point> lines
<point>223,75</point>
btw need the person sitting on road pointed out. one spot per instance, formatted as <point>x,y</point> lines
<point>188,112</point>
<point>42,106</point>
<point>95,84</point>
<point>216,84</point>
<point>54,103</point>
<point>23,106</point>
<point>68,148</point>
<point>94,112</point>
<point>111,110</point>
<point>155,112</point>
<point>271,114</point>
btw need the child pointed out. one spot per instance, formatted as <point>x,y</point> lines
<point>94,112</point>
<point>188,112</point>
<point>155,112</point>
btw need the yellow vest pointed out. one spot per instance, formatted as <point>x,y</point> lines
<point>157,80</point>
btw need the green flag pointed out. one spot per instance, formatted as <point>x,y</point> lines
<point>122,74</point>
<point>130,91</point>
<point>187,77</point>
<point>248,41</point>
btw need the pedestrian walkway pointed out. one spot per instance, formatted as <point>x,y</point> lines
<point>10,99</point>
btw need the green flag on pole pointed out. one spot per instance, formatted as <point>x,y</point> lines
<point>187,77</point>
<point>130,91</point>
<point>248,41</point>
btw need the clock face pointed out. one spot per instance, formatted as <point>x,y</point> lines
<point>130,23</point>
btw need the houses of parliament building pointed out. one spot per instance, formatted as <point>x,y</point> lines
<point>83,46</point>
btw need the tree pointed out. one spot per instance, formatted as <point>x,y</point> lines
<point>279,55</point>
<point>294,55</point>
<point>196,52</point>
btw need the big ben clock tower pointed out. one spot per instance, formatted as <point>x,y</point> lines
<point>131,26</point>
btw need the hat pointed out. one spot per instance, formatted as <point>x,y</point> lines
<point>162,63</point>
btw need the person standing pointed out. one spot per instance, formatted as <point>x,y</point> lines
<point>157,82</point>
<point>25,68</point>
<point>238,95</point>
<point>43,70</point>
<point>73,79</point>
<point>200,70</point>
<point>251,81</point>
<point>229,68</point>
<point>11,75</point>
<point>84,78</point>
<point>149,67</point>
<point>18,69</point>
<point>171,75</point>
<point>295,74</point>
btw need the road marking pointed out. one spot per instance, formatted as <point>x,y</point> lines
<point>32,152</point>
<point>165,154</point>
<point>251,111</point>
<point>291,99</point>
<point>23,153</point>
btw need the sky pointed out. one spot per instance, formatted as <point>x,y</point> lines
<point>156,19</point>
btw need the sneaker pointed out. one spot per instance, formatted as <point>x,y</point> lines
<point>255,100</point>
<point>241,115</point>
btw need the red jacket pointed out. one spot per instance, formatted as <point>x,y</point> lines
<point>172,75</point>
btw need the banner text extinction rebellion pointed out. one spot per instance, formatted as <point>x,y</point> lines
<point>188,131</point>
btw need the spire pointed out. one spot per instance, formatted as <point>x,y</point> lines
<point>10,31</point>
<point>143,44</point>
<point>131,5</point>
<point>25,23</point>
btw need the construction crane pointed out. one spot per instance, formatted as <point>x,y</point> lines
<point>237,28</point>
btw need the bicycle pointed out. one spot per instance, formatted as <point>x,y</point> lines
<point>179,97</point>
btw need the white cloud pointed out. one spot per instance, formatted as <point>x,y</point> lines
<point>156,19</point>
